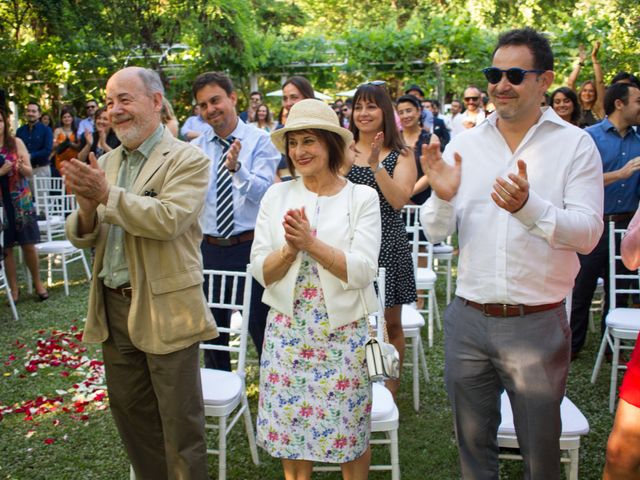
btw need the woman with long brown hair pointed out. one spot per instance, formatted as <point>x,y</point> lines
<point>20,223</point>
<point>377,137</point>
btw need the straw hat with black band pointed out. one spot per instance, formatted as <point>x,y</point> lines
<point>310,114</point>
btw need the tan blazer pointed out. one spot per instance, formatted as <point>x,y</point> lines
<point>162,246</point>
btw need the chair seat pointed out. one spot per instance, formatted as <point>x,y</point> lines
<point>425,276</point>
<point>55,246</point>
<point>220,388</point>
<point>442,249</point>
<point>573,421</point>
<point>624,318</point>
<point>382,406</point>
<point>411,318</point>
<point>53,221</point>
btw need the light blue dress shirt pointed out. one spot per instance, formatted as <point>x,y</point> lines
<point>258,161</point>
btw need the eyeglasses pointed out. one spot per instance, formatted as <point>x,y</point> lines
<point>471,99</point>
<point>345,110</point>
<point>514,75</point>
<point>375,83</point>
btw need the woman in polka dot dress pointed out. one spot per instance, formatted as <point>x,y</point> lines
<point>376,135</point>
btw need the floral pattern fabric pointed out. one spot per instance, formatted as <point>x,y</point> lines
<point>315,395</point>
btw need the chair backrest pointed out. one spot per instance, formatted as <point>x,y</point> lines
<point>56,210</point>
<point>46,186</point>
<point>229,290</point>
<point>420,248</point>
<point>411,216</point>
<point>617,277</point>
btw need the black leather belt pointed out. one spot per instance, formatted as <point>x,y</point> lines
<point>126,292</point>
<point>506,310</point>
<point>229,242</point>
<point>619,217</point>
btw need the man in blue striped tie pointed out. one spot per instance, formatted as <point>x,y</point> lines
<point>243,165</point>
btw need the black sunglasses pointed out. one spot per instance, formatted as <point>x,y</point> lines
<point>375,83</point>
<point>469,99</point>
<point>514,75</point>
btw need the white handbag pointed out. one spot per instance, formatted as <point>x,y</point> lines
<point>383,360</point>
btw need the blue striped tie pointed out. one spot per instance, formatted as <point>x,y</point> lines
<point>224,191</point>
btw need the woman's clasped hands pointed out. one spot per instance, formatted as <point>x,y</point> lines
<point>297,231</point>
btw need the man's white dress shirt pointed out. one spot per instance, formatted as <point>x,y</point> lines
<point>528,257</point>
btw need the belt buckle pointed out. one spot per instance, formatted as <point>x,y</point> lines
<point>127,292</point>
<point>224,242</point>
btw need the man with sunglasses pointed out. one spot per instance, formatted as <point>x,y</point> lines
<point>524,190</point>
<point>473,114</point>
<point>88,124</point>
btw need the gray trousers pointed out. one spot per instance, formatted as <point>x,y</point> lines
<point>527,356</point>
<point>156,402</point>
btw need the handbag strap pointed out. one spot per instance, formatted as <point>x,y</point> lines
<point>380,316</point>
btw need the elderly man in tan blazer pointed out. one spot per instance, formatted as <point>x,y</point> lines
<point>139,208</point>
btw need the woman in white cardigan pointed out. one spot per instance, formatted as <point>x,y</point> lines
<point>316,246</point>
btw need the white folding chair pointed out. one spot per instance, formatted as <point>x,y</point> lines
<point>597,305</point>
<point>225,393</point>
<point>59,251</point>
<point>46,186</point>
<point>443,264</point>
<point>384,412</point>
<point>422,253</point>
<point>4,283</point>
<point>574,425</point>
<point>412,323</point>
<point>622,324</point>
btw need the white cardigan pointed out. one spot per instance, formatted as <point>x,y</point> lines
<point>356,213</point>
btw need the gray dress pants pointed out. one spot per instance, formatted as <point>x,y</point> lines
<point>528,356</point>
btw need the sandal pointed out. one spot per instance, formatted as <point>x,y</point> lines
<point>43,296</point>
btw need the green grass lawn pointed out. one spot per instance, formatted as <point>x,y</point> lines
<point>76,438</point>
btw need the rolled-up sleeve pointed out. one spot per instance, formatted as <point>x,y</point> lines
<point>362,257</point>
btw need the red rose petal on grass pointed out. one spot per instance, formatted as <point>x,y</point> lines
<point>49,441</point>
<point>84,418</point>
<point>74,328</point>
<point>64,373</point>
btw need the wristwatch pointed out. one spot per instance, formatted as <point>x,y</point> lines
<point>378,168</point>
<point>238,165</point>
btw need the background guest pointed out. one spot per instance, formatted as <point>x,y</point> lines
<point>20,224</point>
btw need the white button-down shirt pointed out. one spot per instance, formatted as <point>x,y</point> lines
<point>258,159</point>
<point>528,257</point>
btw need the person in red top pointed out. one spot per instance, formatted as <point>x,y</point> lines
<point>623,447</point>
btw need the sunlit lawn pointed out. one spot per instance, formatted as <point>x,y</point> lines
<point>78,439</point>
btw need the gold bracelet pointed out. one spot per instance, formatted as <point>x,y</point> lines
<point>283,256</point>
<point>333,259</point>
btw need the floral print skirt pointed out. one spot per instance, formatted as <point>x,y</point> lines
<point>315,395</point>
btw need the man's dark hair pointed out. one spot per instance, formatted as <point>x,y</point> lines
<point>349,101</point>
<point>92,100</point>
<point>617,91</point>
<point>255,92</point>
<point>435,103</point>
<point>36,104</point>
<point>212,78</point>
<point>626,77</point>
<point>534,41</point>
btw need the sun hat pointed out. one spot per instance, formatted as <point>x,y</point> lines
<point>310,114</point>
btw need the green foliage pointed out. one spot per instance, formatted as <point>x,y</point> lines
<point>63,50</point>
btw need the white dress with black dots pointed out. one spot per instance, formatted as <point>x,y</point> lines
<point>395,251</point>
